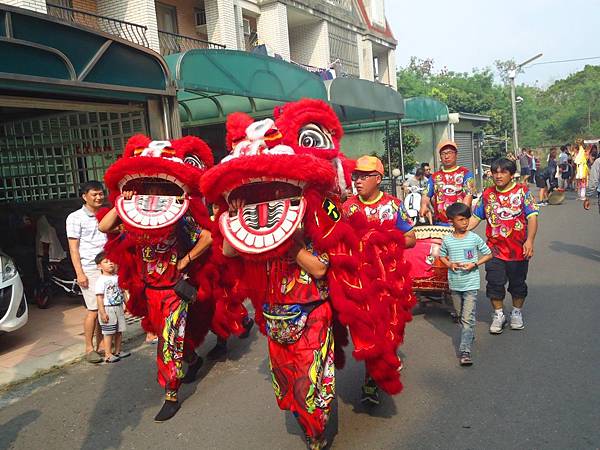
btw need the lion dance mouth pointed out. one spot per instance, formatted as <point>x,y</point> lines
<point>274,206</point>
<point>273,210</point>
<point>163,178</point>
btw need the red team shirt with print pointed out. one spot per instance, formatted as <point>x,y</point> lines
<point>447,187</point>
<point>506,213</point>
<point>384,208</point>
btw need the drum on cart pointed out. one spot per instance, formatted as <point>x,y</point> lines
<point>429,275</point>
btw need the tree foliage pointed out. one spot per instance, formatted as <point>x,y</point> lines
<point>567,109</point>
<point>410,141</point>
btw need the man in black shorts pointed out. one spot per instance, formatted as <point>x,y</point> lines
<point>511,215</point>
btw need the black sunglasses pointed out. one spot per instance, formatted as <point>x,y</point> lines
<point>363,176</point>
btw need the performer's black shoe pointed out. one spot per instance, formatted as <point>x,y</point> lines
<point>168,410</point>
<point>247,323</point>
<point>370,393</point>
<point>316,443</point>
<point>192,371</point>
<point>219,351</point>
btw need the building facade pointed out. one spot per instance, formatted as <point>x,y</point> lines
<point>333,37</point>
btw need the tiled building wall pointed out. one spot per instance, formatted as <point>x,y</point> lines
<point>141,12</point>
<point>391,71</point>
<point>272,27</point>
<point>221,22</point>
<point>86,5</point>
<point>33,5</point>
<point>309,44</point>
<point>365,58</point>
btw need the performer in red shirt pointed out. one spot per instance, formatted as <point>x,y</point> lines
<point>378,207</point>
<point>449,185</point>
<point>511,214</point>
<point>381,211</point>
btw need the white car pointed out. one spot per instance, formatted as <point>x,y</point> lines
<point>13,304</point>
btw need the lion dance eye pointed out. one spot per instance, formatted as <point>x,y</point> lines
<point>193,160</point>
<point>313,136</point>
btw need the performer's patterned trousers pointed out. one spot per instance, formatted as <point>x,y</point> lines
<point>303,373</point>
<point>167,314</point>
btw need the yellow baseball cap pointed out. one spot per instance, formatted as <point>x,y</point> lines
<point>447,143</point>
<point>369,164</point>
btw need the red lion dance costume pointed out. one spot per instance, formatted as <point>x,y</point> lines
<point>161,224</point>
<point>280,184</point>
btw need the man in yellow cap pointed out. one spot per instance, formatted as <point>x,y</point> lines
<point>449,185</point>
<point>380,209</point>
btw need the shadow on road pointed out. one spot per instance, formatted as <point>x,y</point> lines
<point>12,428</point>
<point>574,249</point>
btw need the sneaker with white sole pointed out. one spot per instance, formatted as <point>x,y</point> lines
<point>516,321</point>
<point>498,323</point>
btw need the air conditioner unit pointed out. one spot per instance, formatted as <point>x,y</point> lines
<point>247,30</point>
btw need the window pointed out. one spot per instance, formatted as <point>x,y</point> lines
<point>166,18</point>
<point>378,12</point>
<point>200,16</point>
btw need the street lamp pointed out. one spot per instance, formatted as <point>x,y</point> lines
<point>512,75</point>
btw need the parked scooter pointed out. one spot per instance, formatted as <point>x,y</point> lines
<point>57,278</point>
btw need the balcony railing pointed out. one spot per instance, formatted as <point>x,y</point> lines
<point>126,30</point>
<point>175,43</point>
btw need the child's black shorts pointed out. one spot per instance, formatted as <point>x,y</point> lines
<point>498,272</point>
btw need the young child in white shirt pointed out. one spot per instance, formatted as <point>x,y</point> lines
<point>111,314</point>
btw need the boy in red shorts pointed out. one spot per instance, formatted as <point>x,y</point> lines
<point>511,214</point>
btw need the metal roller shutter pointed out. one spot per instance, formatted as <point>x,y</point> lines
<point>464,140</point>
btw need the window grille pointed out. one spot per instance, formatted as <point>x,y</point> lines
<point>48,158</point>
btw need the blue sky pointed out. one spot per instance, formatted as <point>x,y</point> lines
<point>463,34</point>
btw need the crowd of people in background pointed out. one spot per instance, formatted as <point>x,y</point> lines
<point>564,169</point>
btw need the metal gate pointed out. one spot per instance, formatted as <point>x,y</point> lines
<point>48,157</point>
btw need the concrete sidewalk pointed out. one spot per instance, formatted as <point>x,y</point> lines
<point>52,338</point>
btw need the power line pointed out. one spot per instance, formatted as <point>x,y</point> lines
<point>564,61</point>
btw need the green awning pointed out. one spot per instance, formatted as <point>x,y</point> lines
<point>42,54</point>
<point>424,110</point>
<point>214,83</point>
<point>357,101</point>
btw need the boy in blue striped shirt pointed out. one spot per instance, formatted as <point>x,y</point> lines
<point>463,252</point>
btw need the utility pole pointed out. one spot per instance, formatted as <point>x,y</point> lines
<point>512,74</point>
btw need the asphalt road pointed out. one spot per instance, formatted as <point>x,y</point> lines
<point>533,389</point>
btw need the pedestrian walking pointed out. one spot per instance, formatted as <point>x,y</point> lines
<point>546,180</point>
<point>511,216</point>
<point>525,162</point>
<point>463,252</point>
<point>593,188</point>
<point>534,166</point>
<point>563,168</point>
<point>111,314</point>
<point>85,242</point>
<point>581,172</point>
